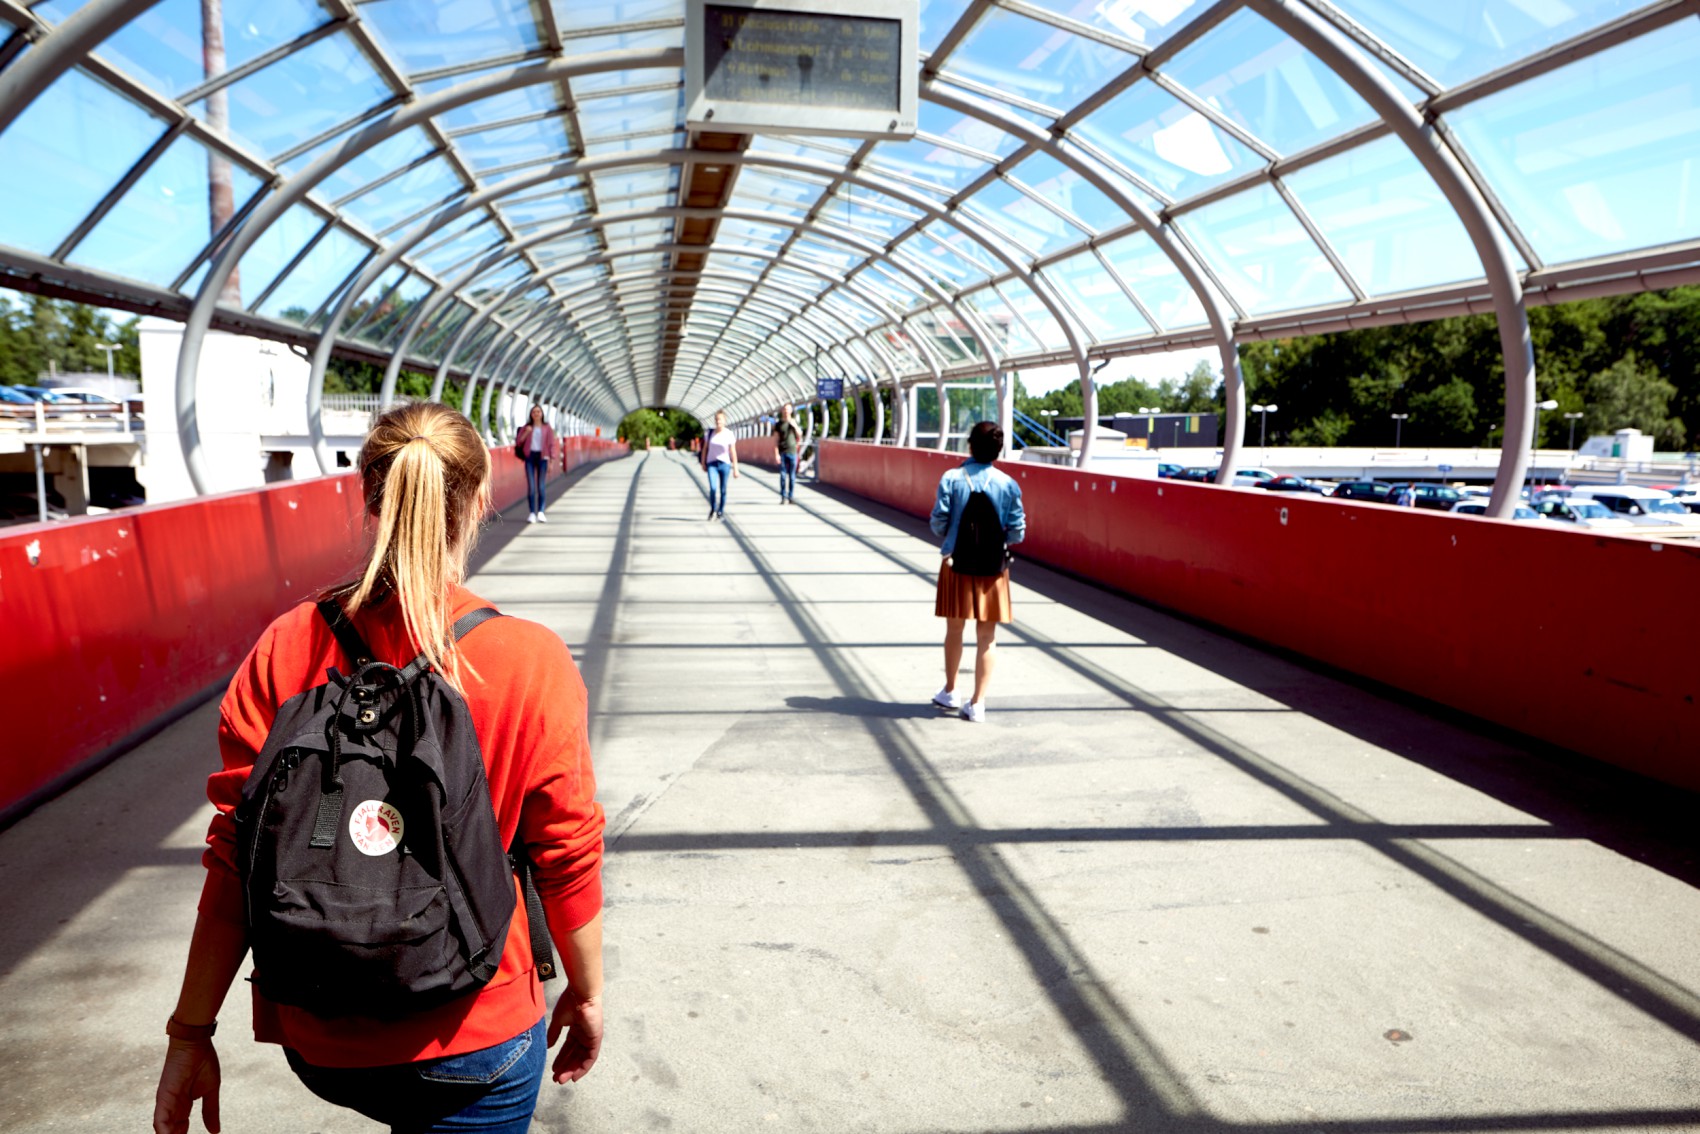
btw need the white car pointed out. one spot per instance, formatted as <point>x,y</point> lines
<point>1643,507</point>
<point>1688,496</point>
<point>1580,512</point>
<point>1479,508</point>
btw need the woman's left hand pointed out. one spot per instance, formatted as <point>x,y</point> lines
<point>736,474</point>
<point>582,1021</point>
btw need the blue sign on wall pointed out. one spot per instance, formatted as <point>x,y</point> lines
<point>829,389</point>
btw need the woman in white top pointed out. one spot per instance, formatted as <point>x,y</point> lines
<point>535,445</point>
<point>719,458</point>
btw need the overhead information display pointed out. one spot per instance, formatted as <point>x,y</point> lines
<point>844,67</point>
<point>801,59</point>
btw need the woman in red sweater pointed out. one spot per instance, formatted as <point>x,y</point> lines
<point>475,1063</point>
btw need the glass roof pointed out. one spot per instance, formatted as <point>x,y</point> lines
<point>557,227</point>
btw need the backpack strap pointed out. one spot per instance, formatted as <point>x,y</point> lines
<point>542,956</point>
<point>465,625</point>
<point>346,635</point>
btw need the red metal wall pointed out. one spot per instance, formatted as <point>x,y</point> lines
<point>1585,641</point>
<point>762,451</point>
<point>110,622</point>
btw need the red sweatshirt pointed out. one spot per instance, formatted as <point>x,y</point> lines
<point>528,707</point>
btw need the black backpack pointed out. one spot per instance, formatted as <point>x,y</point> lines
<point>979,548</point>
<point>376,882</point>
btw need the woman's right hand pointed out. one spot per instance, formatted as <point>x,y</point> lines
<point>191,1072</point>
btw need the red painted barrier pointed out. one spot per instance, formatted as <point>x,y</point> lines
<point>111,622</point>
<point>763,451</point>
<point>1582,640</point>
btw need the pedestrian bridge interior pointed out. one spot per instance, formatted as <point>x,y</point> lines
<point>1175,883</point>
<point>1289,815</point>
<point>508,191</point>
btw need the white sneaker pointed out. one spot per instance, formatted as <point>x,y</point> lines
<point>974,712</point>
<point>947,699</point>
<point>531,517</point>
<point>543,517</point>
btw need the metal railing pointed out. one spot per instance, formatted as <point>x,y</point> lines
<point>55,419</point>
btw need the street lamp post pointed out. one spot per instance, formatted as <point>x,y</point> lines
<point>1398,427</point>
<point>1535,441</point>
<point>1263,413</point>
<point>109,348</point>
<point>1047,414</point>
<point>1150,424</point>
<point>1571,418</point>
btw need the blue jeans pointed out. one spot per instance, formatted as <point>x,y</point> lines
<point>719,479</point>
<point>493,1090</point>
<point>536,473</point>
<point>787,475</point>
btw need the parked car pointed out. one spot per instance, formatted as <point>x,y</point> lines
<point>1168,470</point>
<point>42,394</point>
<point>1581,513</point>
<point>1374,491</point>
<point>1436,497</point>
<point>1479,508</point>
<point>1688,495</point>
<point>1291,484</point>
<point>1204,476</point>
<point>1643,507</point>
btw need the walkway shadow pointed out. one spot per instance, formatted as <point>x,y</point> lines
<point>864,708</point>
<point>1640,818</point>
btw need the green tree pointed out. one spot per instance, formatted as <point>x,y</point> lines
<point>1631,394</point>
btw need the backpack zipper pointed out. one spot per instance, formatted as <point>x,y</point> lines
<point>288,760</point>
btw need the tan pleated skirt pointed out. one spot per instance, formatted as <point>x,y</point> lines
<point>978,598</point>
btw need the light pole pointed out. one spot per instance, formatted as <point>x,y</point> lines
<point>1263,413</point>
<point>1047,414</point>
<point>1398,426</point>
<point>1571,418</point>
<point>1535,441</point>
<point>109,348</point>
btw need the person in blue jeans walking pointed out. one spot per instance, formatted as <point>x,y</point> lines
<point>720,462</point>
<point>536,446</point>
<point>788,437</point>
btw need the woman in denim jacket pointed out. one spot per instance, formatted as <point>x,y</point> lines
<point>983,598</point>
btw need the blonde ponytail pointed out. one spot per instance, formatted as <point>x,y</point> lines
<point>426,478</point>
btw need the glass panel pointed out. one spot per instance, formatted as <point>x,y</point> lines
<point>937,263</point>
<point>397,199</point>
<point>1386,219</point>
<point>629,114</point>
<point>1455,40</point>
<point>164,45</point>
<point>1269,85</point>
<point>274,248</point>
<point>1052,334</point>
<point>63,154</point>
<point>425,37</point>
<point>1035,61</point>
<point>371,297</point>
<point>316,278</point>
<point>1161,139</point>
<point>938,168</point>
<point>556,201</point>
<point>510,145</point>
<point>585,85</point>
<point>364,168</point>
<point>1262,254</point>
<point>382,324</point>
<point>476,234</point>
<point>540,98</point>
<point>937,18</point>
<point>435,339</point>
<point>302,95</point>
<point>1144,21</point>
<point>1020,218</point>
<point>165,220</point>
<point>1009,337</point>
<point>1154,278</point>
<point>973,133</point>
<point>1095,299</point>
<point>651,39</point>
<point>1057,183</point>
<point>1603,155</point>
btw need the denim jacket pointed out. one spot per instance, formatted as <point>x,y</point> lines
<point>954,490</point>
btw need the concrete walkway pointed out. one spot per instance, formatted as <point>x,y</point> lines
<point>1173,884</point>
